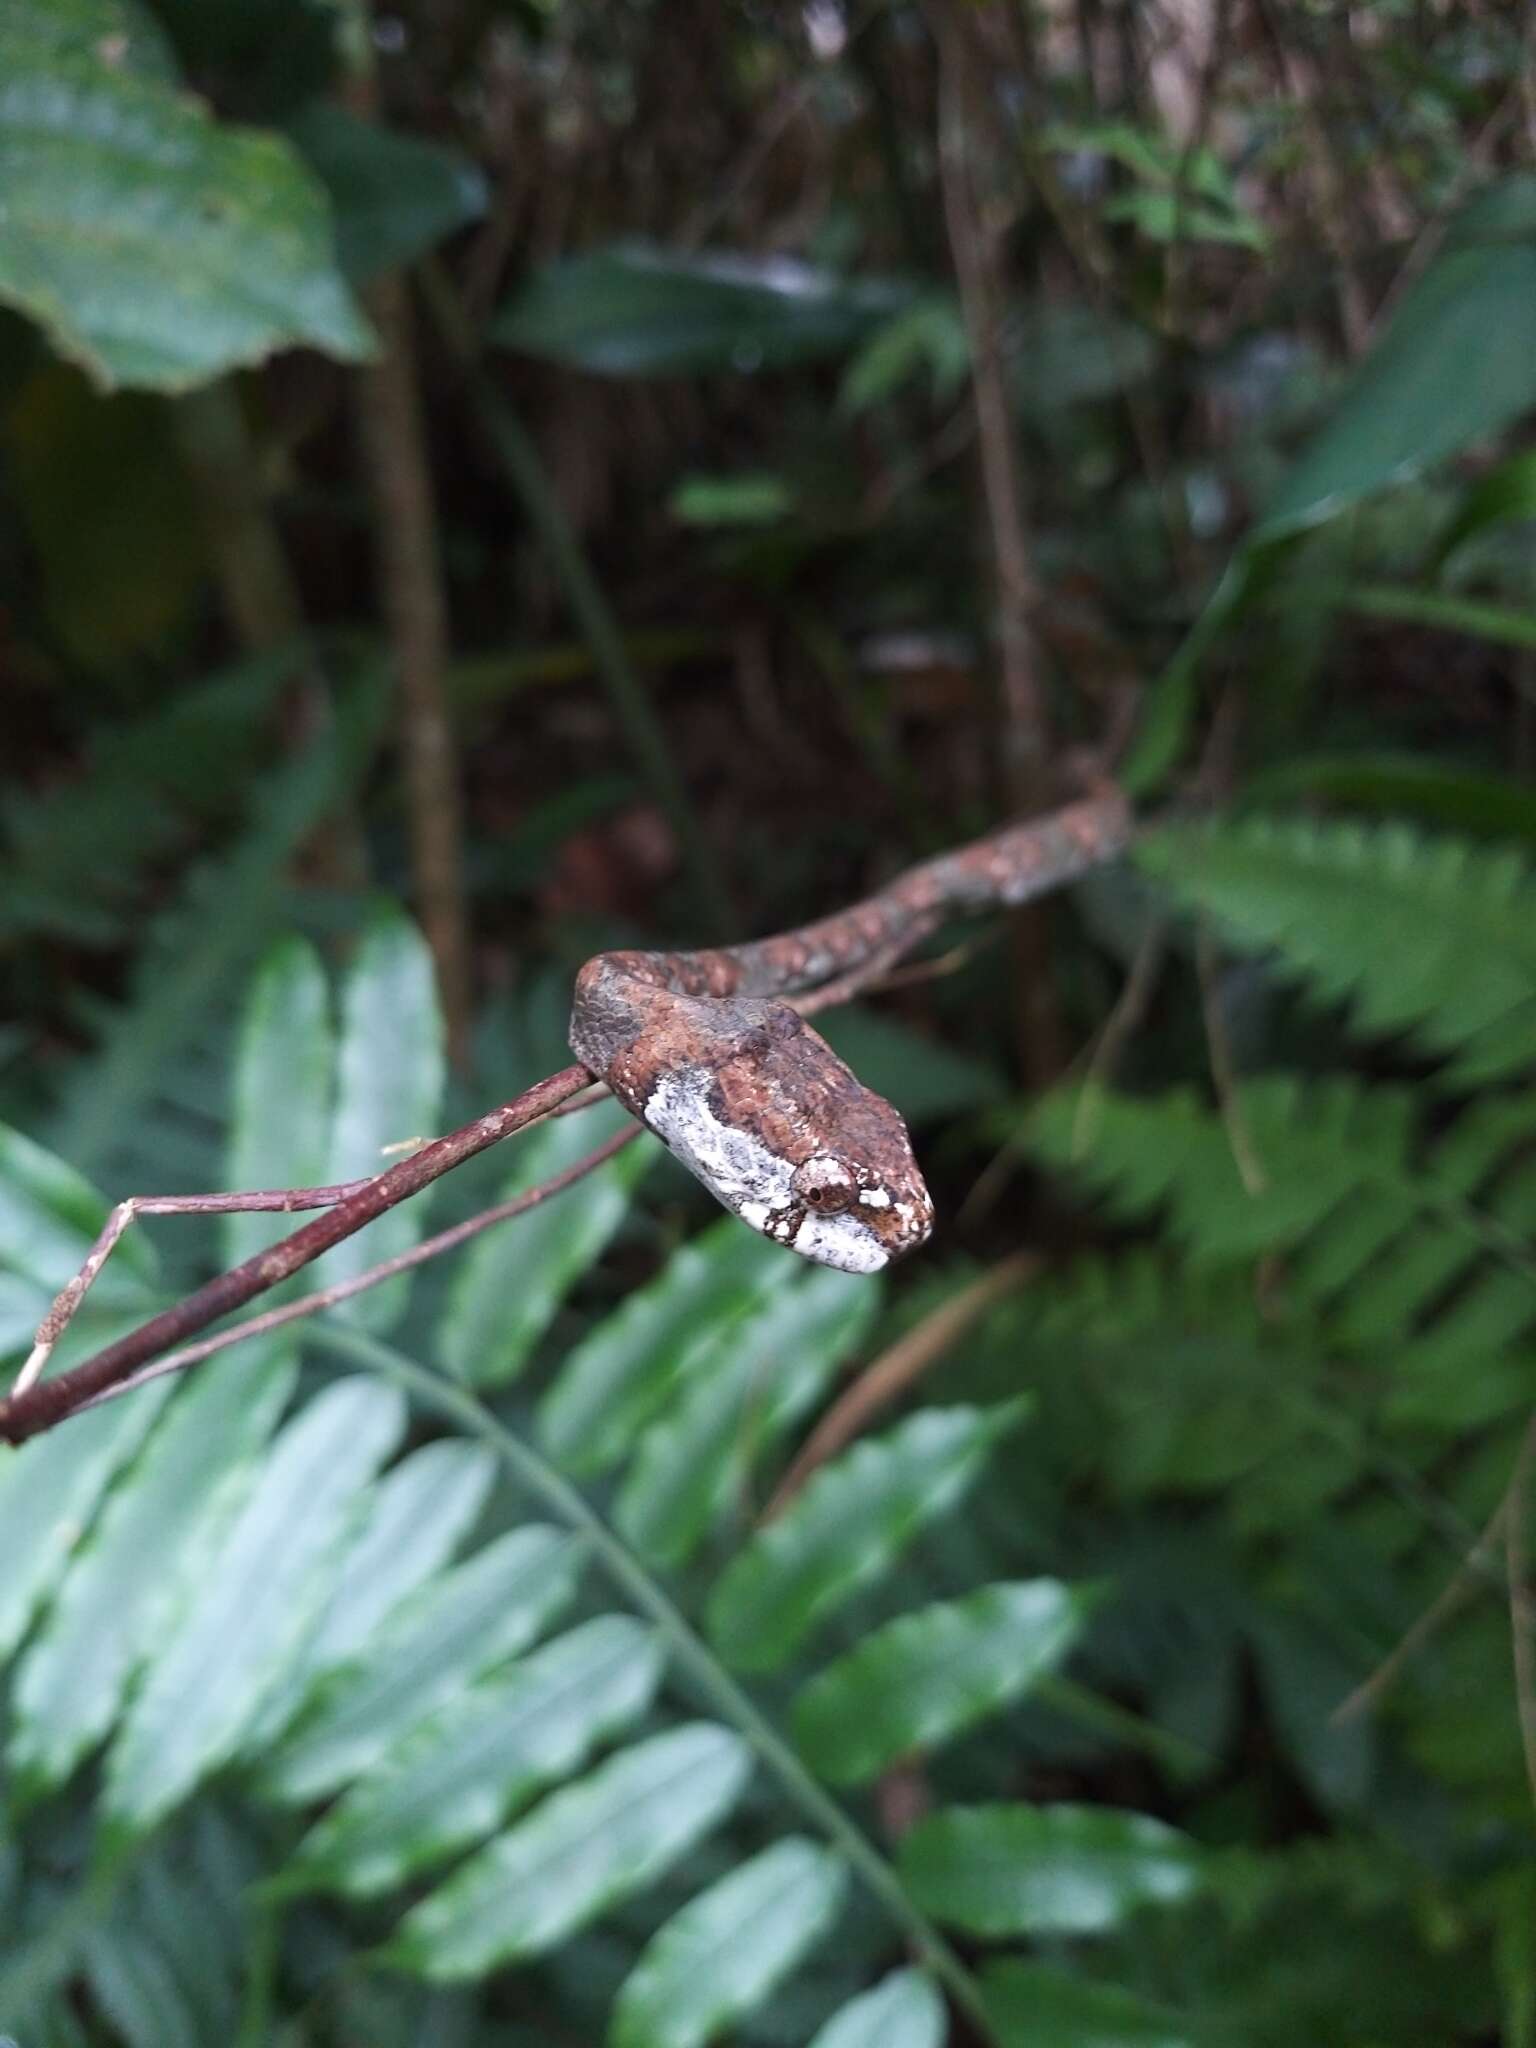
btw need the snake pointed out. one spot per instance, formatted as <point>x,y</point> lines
<point>704,1049</point>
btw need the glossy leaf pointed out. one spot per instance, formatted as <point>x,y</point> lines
<point>254,1601</point>
<point>473,1763</point>
<point>389,1090</point>
<point>1061,1869</point>
<point>1475,306</point>
<point>905,2011</point>
<point>695,1462</point>
<point>924,1678</point>
<point>393,196</point>
<point>49,1489</point>
<point>630,1366</point>
<point>634,310</point>
<point>111,1610</point>
<point>158,247</point>
<point>1034,2006</point>
<point>450,1635</point>
<point>720,1957</point>
<point>282,1090</point>
<point>848,1527</point>
<point>507,1290</point>
<point>581,1850</point>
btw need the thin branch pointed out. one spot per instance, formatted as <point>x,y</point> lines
<point>898,1368</point>
<point>50,1401</point>
<point>402,1262</point>
<point>1224,1068</point>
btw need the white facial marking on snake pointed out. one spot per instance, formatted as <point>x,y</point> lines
<point>875,1198</point>
<point>740,1171</point>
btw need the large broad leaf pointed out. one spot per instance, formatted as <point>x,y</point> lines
<point>253,1603</point>
<point>1044,1869</point>
<point>440,1643</point>
<point>132,37</point>
<point>1474,309</point>
<point>627,1368</point>
<point>696,1461</point>
<point>1033,2006</point>
<point>506,1292</point>
<point>158,248</point>
<point>922,1679</point>
<point>470,1766</point>
<point>389,1088</point>
<point>903,2012</point>
<point>136,1564</point>
<point>720,1957</point>
<point>393,196</point>
<point>595,1842</point>
<point>638,311</point>
<point>849,1526</point>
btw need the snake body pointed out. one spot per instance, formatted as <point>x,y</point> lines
<point>702,1048</point>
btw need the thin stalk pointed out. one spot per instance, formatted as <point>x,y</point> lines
<point>627,696</point>
<point>556,1493</point>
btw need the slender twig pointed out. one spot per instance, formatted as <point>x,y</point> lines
<point>402,1262</point>
<point>1223,1066</point>
<point>690,1654</point>
<point>50,1401</point>
<point>898,1368</point>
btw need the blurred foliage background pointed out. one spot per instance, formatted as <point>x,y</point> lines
<point>581,473</point>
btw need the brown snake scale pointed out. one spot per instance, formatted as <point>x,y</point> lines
<point>755,1103</point>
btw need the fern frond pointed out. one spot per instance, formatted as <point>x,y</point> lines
<point>1421,934</point>
<point>1409,1245</point>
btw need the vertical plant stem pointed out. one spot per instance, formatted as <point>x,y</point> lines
<point>411,595</point>
<point>974,249</point>
<point>631,706</point>
<point>414,604</point>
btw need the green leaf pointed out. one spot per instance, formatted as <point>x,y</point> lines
<point>450,1635</point>
<point>472,1764</point>
<point>1505,494</point>
<point>1303,1680</point>
<point>1033,2006</point>
<point>1474,307</point>
<point>110,1608</point>
<point>1429,935</point>
<point>719,1958</point>
<point>393,196</point>
<point>504,1296</point>
<point>122,33</point>
<point>634,310</point>
<point>771,1367</point>
<point>1458,800</point>
<point>49,1489</point>
<point>627,1368</point>
<point>586,1847</point>
<point>253,1603</point>
<point>929,335</point>
<point>904,2011</point>
<point>848,1528</point>
<point>922,1679</point>
<point>50,1217</point>
<point>416,1517</point>
<point>757,498</point>
<point>389,1090</point>
<point>282,1090</point>
<point>1044,1869</point>
<point>158,248</point>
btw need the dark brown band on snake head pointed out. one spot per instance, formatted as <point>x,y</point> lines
<point>754,1101</point>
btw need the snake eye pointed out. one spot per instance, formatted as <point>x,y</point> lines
<point>825,1185</point>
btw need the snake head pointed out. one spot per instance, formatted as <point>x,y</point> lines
<point>783,1133</point>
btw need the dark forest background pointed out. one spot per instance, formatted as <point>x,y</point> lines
<point>480,482</point>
